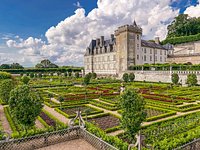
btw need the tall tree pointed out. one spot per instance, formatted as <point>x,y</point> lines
<point>25,105</point>
<point>133,112</point>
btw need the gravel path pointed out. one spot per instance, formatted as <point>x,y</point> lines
<point>4,122</point>
<point>38,124</point>
<point>78,144</point>
<point>56,114</point>
<point>105,110</point>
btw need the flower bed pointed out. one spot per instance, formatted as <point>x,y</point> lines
<point>105,121</point>
<point>47,119</point>
<point>70,111</point>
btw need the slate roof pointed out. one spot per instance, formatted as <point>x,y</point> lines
<point>152,45</point>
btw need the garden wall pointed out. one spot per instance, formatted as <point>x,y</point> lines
<point>162,76</point>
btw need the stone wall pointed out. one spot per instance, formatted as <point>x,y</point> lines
<point>194,59</point>
<point>162,76</point>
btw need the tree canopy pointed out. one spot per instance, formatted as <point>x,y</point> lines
<point>183,25</point>
<point>11,66</point>
<point>46,64</point>
<point>25,105</point>
<point>133,112</point>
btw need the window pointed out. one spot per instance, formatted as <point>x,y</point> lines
<point>156,58</point>
<point>145,58</point>
<point>155,51</point>
<point>150,58</point>
<point>165,52</point>
<point>160,52</point>
<point>150,51</point>
<point>138,46</point>
<point>145,50</point>
<point>161,59</point>
<point>138,37</point>
<point>137,57</point>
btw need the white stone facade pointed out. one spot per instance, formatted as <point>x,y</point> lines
<point>125,49</point>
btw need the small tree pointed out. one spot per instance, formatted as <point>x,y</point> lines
<point>133,112</point>
<point>69,74</point>
<point>125,77</point>
<point>86,79</point>
<point>5,88</point>
<point>77,74</point>
<point>25,105</point>
<point>175,78</point>
<point>58,73</point>
<point>131,77</point>
<point>94,75</point>
<point>65,74</point>
<point>35,75</point>
<point>25,79</point>
<point>192,79</point>
<point>40,75</point>
<point>50,95</point>
<point>31,75</point>
<point>61,100</point>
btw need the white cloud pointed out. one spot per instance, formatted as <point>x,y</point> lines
<point>193,11</point>
<point>78,4</point>
<point>66,42</point>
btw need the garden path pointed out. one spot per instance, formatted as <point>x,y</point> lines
<point>38,124</point>
<point>103,102</point>
<point>55,100</point>
<point>115,133</point>
<point>4,121</point>
<point>78,144</point>
<point>185,103</point>
<point>105,110</point>
<point>56,114</point>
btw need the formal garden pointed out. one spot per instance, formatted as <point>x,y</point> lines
<point>171,113</point>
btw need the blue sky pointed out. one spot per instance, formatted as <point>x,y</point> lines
<point>33,17</point>
<point>26,24</point>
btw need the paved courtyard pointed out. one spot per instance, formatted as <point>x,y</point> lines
<point>78,144</point>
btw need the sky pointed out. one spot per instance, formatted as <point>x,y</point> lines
<point>61,30</point>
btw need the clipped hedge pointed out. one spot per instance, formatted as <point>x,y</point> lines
<point>182,39</point>
<point>113,140</point>
<point>97,111</point>
<point>8,116</point>
<point>61,124</point>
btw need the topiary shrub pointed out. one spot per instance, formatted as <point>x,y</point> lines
<point>131,77</point>
<point>125,77</point>
<point>175,78</point>
<point>191,79</point>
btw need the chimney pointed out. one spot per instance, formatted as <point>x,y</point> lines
<point>102,41</point>
<point>112,37</point>
<point>97,42</point>
<point>157,40</point>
